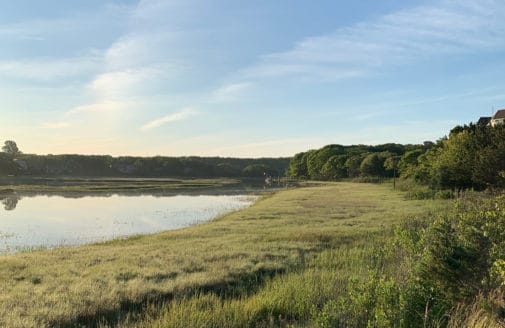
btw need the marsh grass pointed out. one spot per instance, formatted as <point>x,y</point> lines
<point>97,184</point>
<point>285,260</point>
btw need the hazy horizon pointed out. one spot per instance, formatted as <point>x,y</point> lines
<point>249,79</point>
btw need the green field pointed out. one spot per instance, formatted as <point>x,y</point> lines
<point>279,261</point>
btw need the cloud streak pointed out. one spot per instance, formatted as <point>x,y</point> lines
<point>454,27</point>
<point>230,92</point>
<point>179,116</point>
<point>97,107</point>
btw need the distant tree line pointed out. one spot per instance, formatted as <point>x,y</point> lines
<point>470,157</point>
<point>16,163</point>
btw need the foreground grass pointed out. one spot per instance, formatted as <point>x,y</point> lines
<point>280,260</point>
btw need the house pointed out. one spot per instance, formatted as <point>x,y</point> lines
<point>484,120</point>
<point>498,117</point>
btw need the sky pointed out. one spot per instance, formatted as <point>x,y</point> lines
<point>244,78</point>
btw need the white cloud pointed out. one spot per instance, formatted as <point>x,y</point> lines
<point>139,63</point>
<point>125,83</point>
<point>452,27</point>
<point>179,116</point>
<point>97,107</point>
<point>141,49</point>
<point>230,92</point>
<point>126,51</point>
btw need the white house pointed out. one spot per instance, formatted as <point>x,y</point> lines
<point>498,117</point>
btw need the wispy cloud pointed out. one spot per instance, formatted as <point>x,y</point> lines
<point>56,125</point>
<point>140,48</point>
<point>53,52</point>
<point>453,27</point>
<point>128,83</point>
<point>97,107</point>
<point>179,116</point>
<point>139,63</point>
<point>230,92</point>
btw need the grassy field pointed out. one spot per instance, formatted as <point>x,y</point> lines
<point>280,261</point>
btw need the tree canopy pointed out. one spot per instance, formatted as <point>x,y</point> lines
<point>10,147</point>
<point>470,157</point>
<point>335,162</point>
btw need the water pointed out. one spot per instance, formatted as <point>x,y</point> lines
<point>31,221</point>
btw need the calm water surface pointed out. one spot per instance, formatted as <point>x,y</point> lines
<point>44,220</point>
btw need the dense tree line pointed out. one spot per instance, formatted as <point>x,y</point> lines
<point>470,157</point>
<point>335,162</point>
<point>13,162</point>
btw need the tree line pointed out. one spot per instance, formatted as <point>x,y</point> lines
<point>470,157</point>
<point>14,162</point>
<point>335,162</point>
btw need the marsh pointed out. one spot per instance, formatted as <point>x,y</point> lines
<point>33,220</point>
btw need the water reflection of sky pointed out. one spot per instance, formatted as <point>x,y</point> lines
<point>54,220</point>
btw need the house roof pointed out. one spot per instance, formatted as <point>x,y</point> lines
<point>484,120</point>
<point>500,114</point>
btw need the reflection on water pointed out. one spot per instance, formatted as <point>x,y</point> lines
<point>10,201</point>
<point>47,220</point>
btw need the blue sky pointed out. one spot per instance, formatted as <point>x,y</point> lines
<point>244,78</point>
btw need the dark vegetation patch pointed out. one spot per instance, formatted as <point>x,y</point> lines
<point>159,277</point>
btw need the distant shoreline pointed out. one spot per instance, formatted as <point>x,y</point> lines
<point>107,184</point>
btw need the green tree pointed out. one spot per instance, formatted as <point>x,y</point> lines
<point>226,170</point>
<point>389,162</point>
<point>10,147</point>
<point>317,159</point>
<point>258,170</point>
<point>7,165</point>
<point>298,166</point>
<point>372,166</point>
<point>335,168</point>
<point>455,161</point>
<point>490,157</point>
<point>353,165</point>
<point>408,163</point>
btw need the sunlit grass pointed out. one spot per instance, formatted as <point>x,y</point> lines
<point>277,260</point>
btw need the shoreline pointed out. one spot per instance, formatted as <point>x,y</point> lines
<point>116,224</point>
